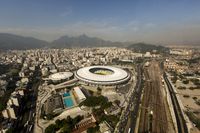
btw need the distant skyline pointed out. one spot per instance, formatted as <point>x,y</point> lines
<point>151,21</point>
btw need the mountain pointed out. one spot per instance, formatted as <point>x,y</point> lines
<point>82,41</point>
<point>143,48</point>
<point>11,41</point>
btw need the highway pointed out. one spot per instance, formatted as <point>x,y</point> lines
<point>128,120</point>
<point>181,124</point>
<point>136,102</point>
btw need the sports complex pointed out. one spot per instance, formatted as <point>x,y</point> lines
<point>102,75</point>
<point>61,77</point>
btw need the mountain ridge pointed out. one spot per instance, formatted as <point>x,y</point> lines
<point>12,41</point>
<point>82,41</point>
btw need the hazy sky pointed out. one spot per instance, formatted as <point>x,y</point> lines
<point>155,21</point>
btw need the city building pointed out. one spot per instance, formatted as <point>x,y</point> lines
<point>78,94</point>
<point>84,124</point>
<point>9,112</point>
<point>104,127</point>
<point>53,104</point>
<point>113,110</point>
<point>13,101</point>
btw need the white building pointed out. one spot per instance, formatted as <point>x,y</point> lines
<point>9,113</point>
<point>13,101</point>
<point>24,80</point>
<point>32,68</point>
<point>147,54</point>
<point>44,71</point>
<point>104,127</point>
<point>113,110</point>
<point>79,94</point>
<point>21,74</point>
<point>53,71</point>
<point>21,92</point>
<point>5,113</point>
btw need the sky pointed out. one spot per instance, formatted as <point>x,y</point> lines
<point>151,21</point>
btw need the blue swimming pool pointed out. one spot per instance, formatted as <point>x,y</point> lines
<point>68,102</point>
<point>66,94</point>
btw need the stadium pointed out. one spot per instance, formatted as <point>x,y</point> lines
<point>61,77</point>
<point>102,75</point>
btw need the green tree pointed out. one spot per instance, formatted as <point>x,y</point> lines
<point>77,119</point>
<point>117,102</point>
<point>93,129</point>
<point>10,130</point>
<point>185,81</point>
<point>51,129</point>
<point>66,129</point>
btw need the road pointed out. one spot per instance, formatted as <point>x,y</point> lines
<point>129,117</point>
<point>181,124</point>
<point>25,123</point>
<point>135,102</point>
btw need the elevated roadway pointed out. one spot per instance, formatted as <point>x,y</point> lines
<point>181,123</point>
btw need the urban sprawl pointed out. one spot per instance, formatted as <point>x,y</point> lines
<point>100,90</point>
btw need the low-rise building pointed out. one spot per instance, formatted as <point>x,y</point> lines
<point>84,124</point>
<point>104,127</point>
<point>13,101</point>
<point>53,104</point>
<point>78,94</point>
<point>9,112</point>
<point>113,110</point>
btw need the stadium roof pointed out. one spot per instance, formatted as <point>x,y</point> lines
<point>60,75</point>
<point>117,75</point>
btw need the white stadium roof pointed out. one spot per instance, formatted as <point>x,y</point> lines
<point>60,76</point>
<point>116,77</point>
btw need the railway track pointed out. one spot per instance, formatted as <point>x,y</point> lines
<point>153,102</point>
<point>181,123</point>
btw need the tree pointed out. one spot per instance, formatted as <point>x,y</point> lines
<point>185,81</point>
<point>51,129</point>
<point>77,119</point>
<point>174,79</point>
<point>69,119</point>
<point>117,102</point>
<point>59,123</point>
<point>10,130</point>
<point>66,129</point>
<point>181,87</point>
<point>98,88</point>
<point>195,81</point>
<point>93,129</point>
<point>50,116</point>
<point>66,125</point>
<point>94,101</point>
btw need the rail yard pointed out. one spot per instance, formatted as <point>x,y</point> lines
<point>153,109</point>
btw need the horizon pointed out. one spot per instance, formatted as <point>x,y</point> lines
<point>128,43</point>
<point>159,22</point>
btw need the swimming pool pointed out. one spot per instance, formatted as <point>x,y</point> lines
<point>68,102</point>
<point>66,94</point>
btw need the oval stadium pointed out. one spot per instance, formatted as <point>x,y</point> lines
<point>61,76</point>
<point>102,75</point>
